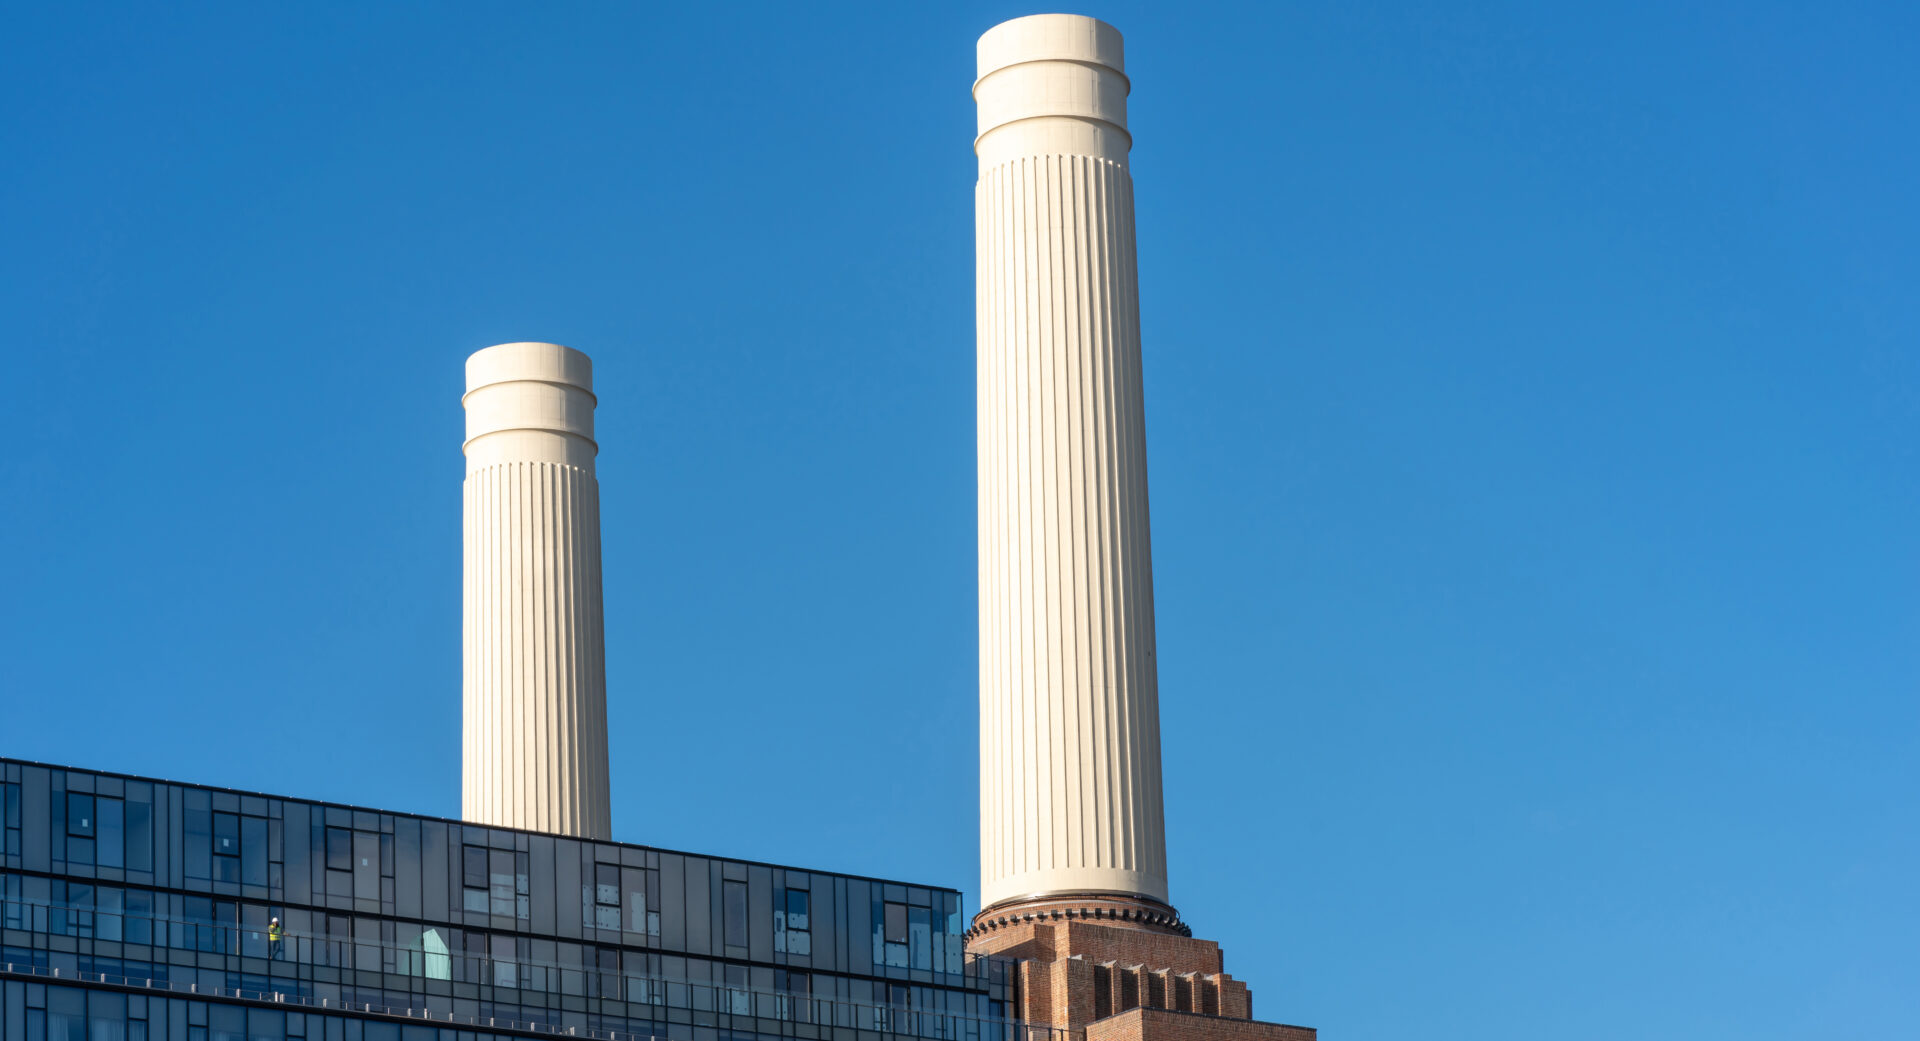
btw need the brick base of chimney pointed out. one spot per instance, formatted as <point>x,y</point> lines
<point>1103,981</point>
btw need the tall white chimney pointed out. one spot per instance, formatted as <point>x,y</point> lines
<point>535,679</point>
<point>1070,804</point>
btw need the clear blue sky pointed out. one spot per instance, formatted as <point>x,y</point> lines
<point>1532,397</point>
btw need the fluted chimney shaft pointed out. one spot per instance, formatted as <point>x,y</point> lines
<point>1070,802</point>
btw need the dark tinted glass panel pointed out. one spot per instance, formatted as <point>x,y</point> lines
<point>80,815</point>
<point>635,883</point>
<point>500,881</point>
<point>735,913</point>
<point>111,840</point>
<point>896,923</point>
<point>503,967</point>
<point>227,1023</point>
<point>474,863</point>
<point>107,1016</point>
<point>107,906</point>
<point>920,937</point>
<point>797,902</point>
<point>226,835</point>
<point>253,851</point>
<point>366,944</point>
<point>198,846</point>
<point>366,866</point>
<point>139,836</point>
<point>139,921</point>
<point>339,849</point>
<point>66,1014</point>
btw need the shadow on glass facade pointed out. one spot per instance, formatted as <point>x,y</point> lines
<point>140,910</point>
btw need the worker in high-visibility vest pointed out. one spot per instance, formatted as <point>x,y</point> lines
<point>273,938</point>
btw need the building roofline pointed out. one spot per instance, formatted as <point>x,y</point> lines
<point>475,824</point>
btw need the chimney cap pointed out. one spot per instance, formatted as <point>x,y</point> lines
<point>529,360</point>
<point>1051,37</point>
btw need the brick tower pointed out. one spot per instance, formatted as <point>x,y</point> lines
<point>1072,838</point>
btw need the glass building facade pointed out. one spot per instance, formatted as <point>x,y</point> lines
<point>140,910</point>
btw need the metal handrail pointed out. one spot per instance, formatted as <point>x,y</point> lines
<point>1014,1031</point>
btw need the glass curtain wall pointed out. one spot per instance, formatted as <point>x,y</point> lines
<point>170,885</point>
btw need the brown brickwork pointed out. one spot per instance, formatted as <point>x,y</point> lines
<point>1145,1024</point>
<point>1050,941</point>
<point>1077,975</point>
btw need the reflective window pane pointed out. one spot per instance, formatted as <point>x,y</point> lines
<point>80,815</point>
<point>734,912</point>
<point>339,849</point>
<point>110,832</point>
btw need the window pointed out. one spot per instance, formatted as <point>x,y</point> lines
<point>199,835</point>
<point>253,848</point>
<point>139,841</point>
<point>890,934</point>
<point>473,869</point>
<point>738,1000</point>
<point>366,865</point>
<point>110,831</point>
<point>12,917</point>
<point>920,936</point>
<point>495,881</point>
<point>339,854</point>
<point>472,965</point>
<point>734,911</point>
<point>367,943</point>
<point>107,1016</point>
<point>792,990</point>
<point>606,896</point>
<point>639,919</point>
<point>66,1014</point>
<point>603,972</point>
<point>500,881</point>
<point>139,921</point>
<point>792,925</point>
<point>228,1022</point>
<point>504,974</point>
<point>108,903</point>
<point>205,925</point>
<point>640,987</point>
<point>10,818</point>
<point>80,816</point>
<point>339,849</point>
<point>80,828</point>
<point>226,847</point>
<point>72,912</point>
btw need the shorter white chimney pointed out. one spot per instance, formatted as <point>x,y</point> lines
<point>535,677</point>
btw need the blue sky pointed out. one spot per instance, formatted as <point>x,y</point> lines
<point>1532,399</point>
